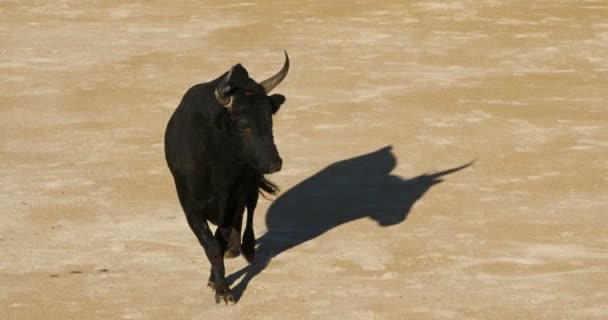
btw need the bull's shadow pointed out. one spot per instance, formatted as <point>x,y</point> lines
<point>360,187</point>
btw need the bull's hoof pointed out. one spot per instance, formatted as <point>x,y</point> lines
<point>233,249</point>
<point>225,296</point>
<point>211,284</point>
<point>222,291</point>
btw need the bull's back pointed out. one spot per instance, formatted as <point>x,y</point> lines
<point>185,132</point>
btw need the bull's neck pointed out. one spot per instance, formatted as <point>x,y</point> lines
<point>228,171</point>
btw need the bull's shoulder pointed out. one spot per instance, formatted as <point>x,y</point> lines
<point>203,92</point>
<point>199,96</point>
<point>200,89</point>
<point>199,102</point>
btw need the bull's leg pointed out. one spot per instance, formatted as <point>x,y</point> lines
<point>248,246</point>
<point>195,214</point>
<point>233,248</point>
<point>214,253</point>
<point>229,239</point>
<point>228,232</point>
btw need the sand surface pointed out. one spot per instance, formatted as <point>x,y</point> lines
<point>382,98</point>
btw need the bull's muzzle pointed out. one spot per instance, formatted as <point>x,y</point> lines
<point>274,166</point>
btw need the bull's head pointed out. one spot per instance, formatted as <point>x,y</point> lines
<point>250,109</point>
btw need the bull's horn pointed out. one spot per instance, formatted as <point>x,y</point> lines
<point>222,90</point>
<point>274,81</point>
<point>223,99</point>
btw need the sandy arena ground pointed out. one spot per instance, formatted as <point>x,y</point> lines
<point>382,98</point>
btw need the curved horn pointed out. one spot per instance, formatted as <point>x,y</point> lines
<point>223,99</point>
<point>274,81</point>
<point>222,90</point>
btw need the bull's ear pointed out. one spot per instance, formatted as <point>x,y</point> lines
<point>276,100</point>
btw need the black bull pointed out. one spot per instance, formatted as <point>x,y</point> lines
<point>218,146</point>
